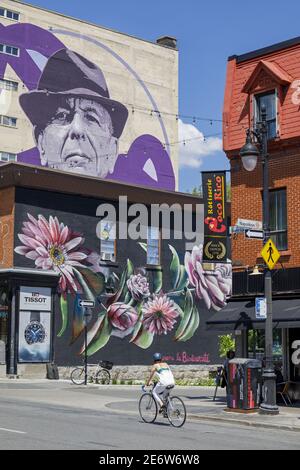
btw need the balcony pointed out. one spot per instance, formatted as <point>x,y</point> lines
<point>285,281</point>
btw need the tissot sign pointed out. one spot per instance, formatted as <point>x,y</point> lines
<point>35,298</point>
<point>215,228</point>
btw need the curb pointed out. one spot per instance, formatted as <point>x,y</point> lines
<point>284,427</point>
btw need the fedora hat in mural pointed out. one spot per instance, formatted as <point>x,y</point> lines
<point>67,73</point>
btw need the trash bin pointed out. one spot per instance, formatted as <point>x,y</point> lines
<point>244,383</point>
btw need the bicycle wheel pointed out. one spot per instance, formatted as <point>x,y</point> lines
<point>176,412</point>
<point>77,376</point>
<point>102,377</point>
<point>148,408</point>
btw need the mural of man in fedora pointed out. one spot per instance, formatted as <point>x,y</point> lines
<point>76,124</point>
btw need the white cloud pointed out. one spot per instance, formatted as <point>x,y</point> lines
<point>193,148</point>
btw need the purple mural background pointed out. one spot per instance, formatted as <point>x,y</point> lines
<point>147,163</point>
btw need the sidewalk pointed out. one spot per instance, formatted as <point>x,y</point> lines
<point>124,399</point>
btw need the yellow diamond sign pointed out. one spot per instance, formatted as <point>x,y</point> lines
<point>270,254</point>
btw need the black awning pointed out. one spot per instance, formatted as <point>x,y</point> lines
<point>241,315</point>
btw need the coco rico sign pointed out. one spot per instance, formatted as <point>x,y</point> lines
<point>215,227</point>
<point>35,298</point>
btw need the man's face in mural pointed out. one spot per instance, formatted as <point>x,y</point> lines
<point>78,137</point>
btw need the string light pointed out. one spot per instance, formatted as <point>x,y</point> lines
<point>159,113</point>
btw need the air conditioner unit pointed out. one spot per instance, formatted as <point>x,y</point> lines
<point>107,256</point>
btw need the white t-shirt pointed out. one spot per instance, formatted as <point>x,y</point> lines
<point>165,375</point>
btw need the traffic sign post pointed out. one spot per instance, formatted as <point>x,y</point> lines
<point>270,254</point>
<point>255,234</point>
<point>249,224</point>
<point>86,303</point>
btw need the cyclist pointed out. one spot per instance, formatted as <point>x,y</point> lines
<point>165,379</point>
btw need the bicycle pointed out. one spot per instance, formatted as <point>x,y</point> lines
<point>175,408</point>
<point>99,374</point>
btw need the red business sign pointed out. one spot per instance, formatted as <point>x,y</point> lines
<point>215,224</point>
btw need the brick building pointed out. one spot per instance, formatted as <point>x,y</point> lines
<point>88,115</point>
<point>270,77</point>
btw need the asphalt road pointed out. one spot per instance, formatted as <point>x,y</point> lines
<point>27,423</point>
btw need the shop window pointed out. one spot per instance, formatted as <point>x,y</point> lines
<point>153,246</point>
<point>256,345</point>
<point>269,100</point>
<point>8,84</point>
<point>278,218</point>
<point>108,241</point>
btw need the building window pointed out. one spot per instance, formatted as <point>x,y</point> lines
<point>8,121</point>
<point>108,241</point>
<point>12,15</point>
<point>278,218</point>
<point>270,102</point>
<point>8,84</point>
<point>153,246</point>
<point>8,157</point>
<point>256,345</point>
<point>10,50</point>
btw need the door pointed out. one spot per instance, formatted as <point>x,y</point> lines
<point>3,324</point>
<point>294,349</point>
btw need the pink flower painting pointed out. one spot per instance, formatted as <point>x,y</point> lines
<point>160,314</point>
<point>213,287</point>
<point>52,245</point>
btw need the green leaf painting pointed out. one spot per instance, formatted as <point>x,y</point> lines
<point>64,315</point>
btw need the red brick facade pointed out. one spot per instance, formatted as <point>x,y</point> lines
<point>7,208</point>
<point>274,68</point>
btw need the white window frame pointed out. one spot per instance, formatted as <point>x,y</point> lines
<point>6,10</point>
<point>8,84</point>
<point>9,154</point>
<point>158,246</point>
<point>108,255</point>
<point>7,125</point>
<point>255,108</point>
<point>8,53</point>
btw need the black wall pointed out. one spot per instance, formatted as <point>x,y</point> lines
<point>79,213</point>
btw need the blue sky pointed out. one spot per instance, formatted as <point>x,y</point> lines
<point>207,33</point>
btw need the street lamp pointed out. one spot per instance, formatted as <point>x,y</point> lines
<point>249,154</point>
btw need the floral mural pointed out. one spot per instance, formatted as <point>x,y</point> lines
<point>132,308</point>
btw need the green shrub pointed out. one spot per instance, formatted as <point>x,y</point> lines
<point>226,343</point>
<point>202,382</point>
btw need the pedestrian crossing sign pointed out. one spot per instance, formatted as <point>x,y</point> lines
<point>270,254</point>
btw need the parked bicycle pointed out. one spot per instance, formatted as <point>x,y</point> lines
<point>96,373</point>
<point>174,406</point>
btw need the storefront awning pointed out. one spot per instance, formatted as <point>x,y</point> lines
<point>239,315</point>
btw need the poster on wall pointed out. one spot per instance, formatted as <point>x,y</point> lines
<point>34,336</point>
<point>215,226</point>
<point>35,298</point>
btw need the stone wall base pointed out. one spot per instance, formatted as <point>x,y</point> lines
<point>119,373</point>
<point>140,373</point>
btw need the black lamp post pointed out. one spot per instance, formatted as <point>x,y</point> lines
<point>249,154</point>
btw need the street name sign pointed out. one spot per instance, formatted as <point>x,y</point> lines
<point>270,254</point>
<point>258,234</point>
<point>260,308</point>
<point>249,224</point>
<point>86,303</point>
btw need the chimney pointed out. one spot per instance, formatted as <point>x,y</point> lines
<point>167,41</point>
